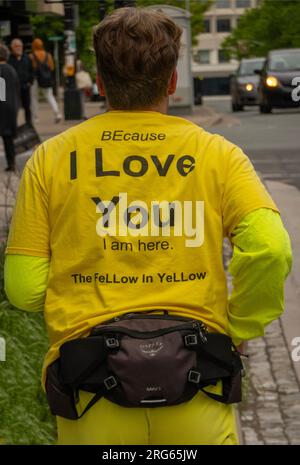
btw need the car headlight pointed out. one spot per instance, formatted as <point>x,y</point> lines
<point>272,81</point>
<point>249,87</point>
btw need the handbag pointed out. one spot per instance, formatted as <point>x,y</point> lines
<point>26,138</point>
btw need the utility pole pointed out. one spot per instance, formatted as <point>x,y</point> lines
<point>123,3</point>
<point>72,101</point>
<point>102,9</point>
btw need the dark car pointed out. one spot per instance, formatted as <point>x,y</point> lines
<point>276,80</point>
<point>244,83</point>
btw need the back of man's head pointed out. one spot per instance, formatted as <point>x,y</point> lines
<point>136,53</point>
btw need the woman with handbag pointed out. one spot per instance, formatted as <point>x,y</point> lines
<point>43,66</point>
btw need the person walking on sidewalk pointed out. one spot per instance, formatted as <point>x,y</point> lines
<point>9,104</point>
<point>83,83</point>
<point>23,66</point>
<point>43,66</point>
<point>135,193</point>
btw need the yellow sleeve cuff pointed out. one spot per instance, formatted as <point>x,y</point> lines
<point>261,261</point>
<point>25,281</point>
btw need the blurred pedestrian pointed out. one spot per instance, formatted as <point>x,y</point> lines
<point>23,66</point>
<point>43,66</point>
<point>9,104</point>
<point>83,83</point>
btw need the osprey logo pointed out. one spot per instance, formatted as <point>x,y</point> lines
<point>151,349</point>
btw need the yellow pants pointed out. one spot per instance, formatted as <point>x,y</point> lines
<point>202,420</point>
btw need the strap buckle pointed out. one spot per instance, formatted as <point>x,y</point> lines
<point>110,382</point>
<point>190,340</point>
<point>194,376</point>
<point>112,343</point>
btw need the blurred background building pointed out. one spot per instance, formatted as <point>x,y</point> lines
<point>210,62</point>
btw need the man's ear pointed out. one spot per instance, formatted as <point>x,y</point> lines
<point>173,83</point>
<point>100,86</point>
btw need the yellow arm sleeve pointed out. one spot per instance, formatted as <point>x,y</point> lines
<point>25,279</point>
<point>261,261</point>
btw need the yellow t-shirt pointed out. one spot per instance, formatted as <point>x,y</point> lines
<point>132,208</point>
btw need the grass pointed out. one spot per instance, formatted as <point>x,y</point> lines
<point>24,414</point>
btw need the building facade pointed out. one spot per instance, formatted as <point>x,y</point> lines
<point>15,18</point>
<point>210,62</point>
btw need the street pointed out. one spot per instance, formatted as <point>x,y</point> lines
<point>270,412</point>
<point>272,141</point>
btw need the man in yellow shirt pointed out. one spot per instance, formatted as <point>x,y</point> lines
<point>127,212</point>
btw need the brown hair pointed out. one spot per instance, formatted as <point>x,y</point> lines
<point>136,52</point>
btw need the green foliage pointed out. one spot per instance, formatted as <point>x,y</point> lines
<point>24,413</point>
<point>46,26</point>
<point>274,24</point>
<point>89,16</point>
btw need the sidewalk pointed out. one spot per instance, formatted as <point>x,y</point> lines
<point>270,413</point>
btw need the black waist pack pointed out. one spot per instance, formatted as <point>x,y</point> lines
<point>143,360</point>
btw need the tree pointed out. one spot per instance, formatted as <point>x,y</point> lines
<point>45,26</point>
<point>274,24</point>
<point>89,16</point>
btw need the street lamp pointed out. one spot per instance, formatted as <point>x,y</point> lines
<point>72,99</point>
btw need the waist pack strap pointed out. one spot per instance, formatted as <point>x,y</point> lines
<point>63,399</point>
<point>93,401</point>
<point>231,390</point>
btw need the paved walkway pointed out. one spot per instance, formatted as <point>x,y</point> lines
<point>270,412</point>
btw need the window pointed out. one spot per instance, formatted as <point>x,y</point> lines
<point>223,56</point>
<point>223,25</point>
<point>223,4</point>
<point>202,56</point>
<point>243,3</point>
<point>247,67</point>
<point>206,25</point>
<point>285,60</point>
